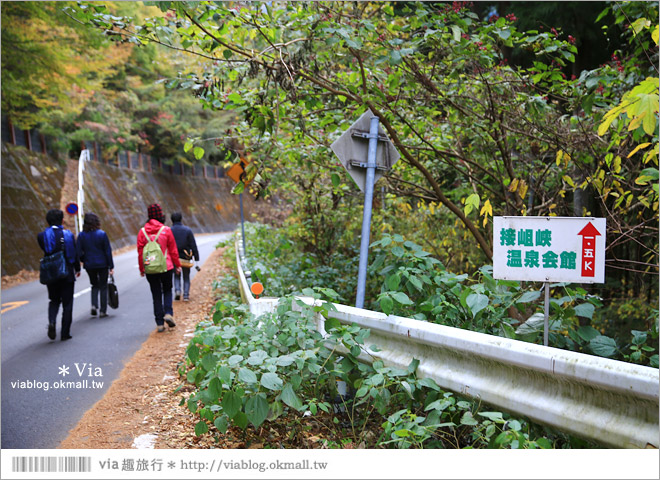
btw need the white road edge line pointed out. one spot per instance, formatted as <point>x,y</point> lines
<point>82,292</point>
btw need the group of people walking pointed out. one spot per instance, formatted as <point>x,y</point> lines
<point>92,251</point>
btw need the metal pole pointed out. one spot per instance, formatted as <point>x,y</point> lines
<point>84,157</point>
<point>547,314</point>
<point>240,196</point>
<point>366,217</point>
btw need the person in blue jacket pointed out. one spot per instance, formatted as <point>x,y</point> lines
<point>61,291</point>
<point>96,256</point>
<point>185,243</point>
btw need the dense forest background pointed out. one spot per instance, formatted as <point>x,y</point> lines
<point>497,108</point>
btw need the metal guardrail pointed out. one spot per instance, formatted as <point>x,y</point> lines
<point>610,402</point>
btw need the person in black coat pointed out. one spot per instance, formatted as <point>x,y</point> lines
<point>185,243</point>
<point>96,255</point>
<point>51,240</point>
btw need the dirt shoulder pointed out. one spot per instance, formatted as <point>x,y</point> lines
<point>144,400</point>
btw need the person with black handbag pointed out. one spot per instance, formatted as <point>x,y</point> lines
<point>60,290</point>
<point>95,254</point>
<point>185,243</point>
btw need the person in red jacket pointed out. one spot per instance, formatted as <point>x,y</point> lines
<point>160,283</point>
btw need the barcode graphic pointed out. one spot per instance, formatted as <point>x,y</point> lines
<point>51,464</point>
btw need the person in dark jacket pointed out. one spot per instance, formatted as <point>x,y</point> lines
<point>185,243</point>
<point>96,256</point>
<point>51,240</point>
<point>159,283</point>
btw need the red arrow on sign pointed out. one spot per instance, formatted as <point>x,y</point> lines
<point>589,234</point>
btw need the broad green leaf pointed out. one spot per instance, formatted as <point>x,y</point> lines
<point>284,360</point>
<point>639,337</point>
<point>271,381</point>
<point>534,324</point>
<point>257,357</point>
<point>468,419</point>
<point>503,34</point>
<point>417,283</point>
<point>587,333</point>
<point>256,410</point>
<point>456,31</point>
<point>289,397</point>
<point>236,98</point>
<point>193,352</point>
<point>585,310</point>
<point>429,383</point>
<point>529,297</point>
<point>494,416</point>
<point>241,420</point>
<point>234,360</point>
<point>225,375</point>
<point>386,304</point>
<point>402,298</point>
<point>209,362</point>
<point>201,428</point>
<point>603,346</point>
<point>221,424</point>
<point>198,152</point>
<point>215,388</point>
<point>246,375</point>
<point>231,403</point>
<point>476,302</point>
<point>362,391</point>
<point>393,282</point>
<point>336,181</point>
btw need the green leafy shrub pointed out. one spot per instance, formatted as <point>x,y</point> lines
<point>248,371</point>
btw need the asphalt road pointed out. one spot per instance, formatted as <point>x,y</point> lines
<point>37,409</point>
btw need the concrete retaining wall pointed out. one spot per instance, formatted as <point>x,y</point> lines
<point>32,183</point>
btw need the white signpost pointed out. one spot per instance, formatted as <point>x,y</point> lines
<point>549,249</point>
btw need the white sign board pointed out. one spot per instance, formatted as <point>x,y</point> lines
<point>549,249</point>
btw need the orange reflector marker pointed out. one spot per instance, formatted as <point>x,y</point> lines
<point>257,289</point>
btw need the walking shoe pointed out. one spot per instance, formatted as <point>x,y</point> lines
<point>186,299</point>
<point>93,311</point>
<point>103,315</point>
<point>169,319</point>
<point>177,295</point>
<point>66,337</point>
<point>161,328</point>
<point>51,331</point>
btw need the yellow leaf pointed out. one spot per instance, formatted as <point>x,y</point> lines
<point>487,209</point>
<point>652,155</point>
<point>568,180</point>
<point>654,35</point>
<point>522,189</point>
<point>636,122</point>
<point>514,185</point>
<point>638,148</point>
<point>560,154</point>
